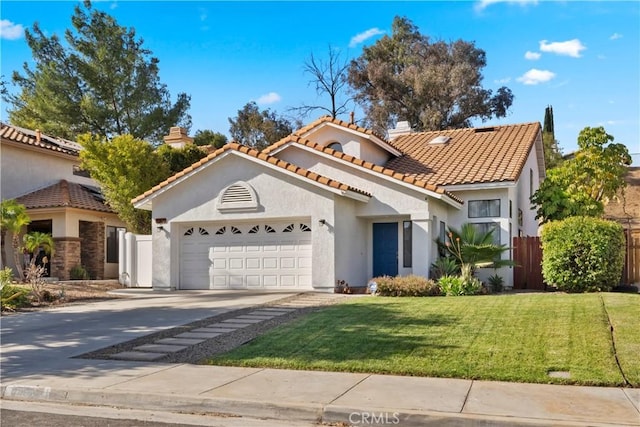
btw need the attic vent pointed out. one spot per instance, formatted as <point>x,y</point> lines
<point>440,139</point>
<point>238,197</point>
<point>487,129</point>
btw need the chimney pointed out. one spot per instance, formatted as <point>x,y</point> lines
<point>402,128</point>
<point>178,137</point>
<point>38,135</point>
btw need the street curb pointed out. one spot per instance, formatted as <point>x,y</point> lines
<point>326,413</point>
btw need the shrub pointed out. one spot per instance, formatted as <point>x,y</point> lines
<point>79,273</point>
<point>11,297</point>
<point>465,284</point>
<point>496,282</point>
<point>406,286</point>
<point>444,266</point>
<point>582,254</point>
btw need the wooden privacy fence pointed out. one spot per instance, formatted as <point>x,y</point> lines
<point>631,272</point>
<point>527,255</point>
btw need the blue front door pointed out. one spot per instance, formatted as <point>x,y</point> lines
<point>385,249</point>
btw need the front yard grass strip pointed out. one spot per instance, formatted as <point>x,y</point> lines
<point>517,337</point>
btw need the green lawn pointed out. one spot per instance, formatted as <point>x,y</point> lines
<point>518,337</point>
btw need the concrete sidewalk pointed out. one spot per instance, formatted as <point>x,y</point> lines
<point>309,396</point>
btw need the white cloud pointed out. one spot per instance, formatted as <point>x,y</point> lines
<point>569,48</point>
<point>615,36</point>
<point>361,37</point>
<point>533,56</point>
<point>483,4</point>
<point>269,98</point>
<point>535,76</point>
<point>10,31</point>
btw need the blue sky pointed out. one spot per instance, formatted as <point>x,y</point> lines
<point>582,58</point>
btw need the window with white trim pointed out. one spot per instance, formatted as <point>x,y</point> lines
<point>484,208</point>
<point>485,227</point>
<point>407,240</point>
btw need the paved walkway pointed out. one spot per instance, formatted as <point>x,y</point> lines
<point>307,396</point>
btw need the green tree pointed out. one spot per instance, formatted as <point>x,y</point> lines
<point>329,76</point>
<point>258,129</point>
<point>552,154</point>
<point>581,186</point>
<point>179,159</point>
<point>14,218</point>
<point>125,167</point>
<point>100,80</point>
<point>434,85</point>
<point>209,137</point>
<point>36,240</point>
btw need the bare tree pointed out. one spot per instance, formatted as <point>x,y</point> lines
<point>329,78</point>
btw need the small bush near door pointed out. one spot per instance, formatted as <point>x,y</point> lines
<point>79,273</point>
<point>582,254</point>
<point>406,286</point>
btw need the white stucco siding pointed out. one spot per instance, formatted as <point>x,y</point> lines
<point>389,197</point>
<point>351,237</point>
<point>22,170</point>
<point>525,189</point>
<point>279,197</point>
<point>352,143</point>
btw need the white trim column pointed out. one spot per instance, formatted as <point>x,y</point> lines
<point>421,244</point>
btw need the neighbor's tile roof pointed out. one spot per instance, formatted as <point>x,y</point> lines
<point>471,156</point>
<point>258,155</point>
<point>409,179</point>
<point>64,194</point>
<point>29,137</point>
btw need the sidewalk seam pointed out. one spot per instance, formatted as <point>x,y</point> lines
<point>233,381</point>
<point>466,397</point>
<point>347,391</point>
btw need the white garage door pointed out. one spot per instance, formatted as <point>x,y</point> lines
<point>246,255</point>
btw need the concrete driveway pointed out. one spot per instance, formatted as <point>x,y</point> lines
<point>45,342</point>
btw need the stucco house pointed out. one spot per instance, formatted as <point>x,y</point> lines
<point>43,173</point>
<point>334,201</point>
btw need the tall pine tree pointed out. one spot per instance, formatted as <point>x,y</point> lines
<point>102,80</point>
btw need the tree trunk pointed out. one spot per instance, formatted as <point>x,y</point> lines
<point>3,255</point>
<point>17,257</point>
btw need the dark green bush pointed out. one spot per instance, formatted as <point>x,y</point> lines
<point>582,254</point>
<point>79,273</point>
<point>406,286</point>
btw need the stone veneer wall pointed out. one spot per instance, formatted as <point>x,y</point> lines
<point>67,256</point>
<point>92,253</point>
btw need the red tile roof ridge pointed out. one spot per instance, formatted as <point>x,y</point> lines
<point>260,155</point>
<point>30,137</point>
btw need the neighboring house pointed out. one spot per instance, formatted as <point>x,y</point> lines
<point>334,201</point>
<point>44,174</point>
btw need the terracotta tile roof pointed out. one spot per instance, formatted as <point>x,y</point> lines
<point>258,155</point>
<point>471,156</point>
<point>65,194</point>
<point>626,209</point>
<point>409,179</point>
<point>30,137</point>
<point>328,119</point>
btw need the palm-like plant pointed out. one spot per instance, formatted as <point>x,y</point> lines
<point>35,240</point>
<point>474,247</point>
<point>14,218</point>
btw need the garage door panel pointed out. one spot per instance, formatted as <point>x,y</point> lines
<point>246,256</point>
<point>253,263</point>
<point>286,262</point>
<point>270,280</point>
